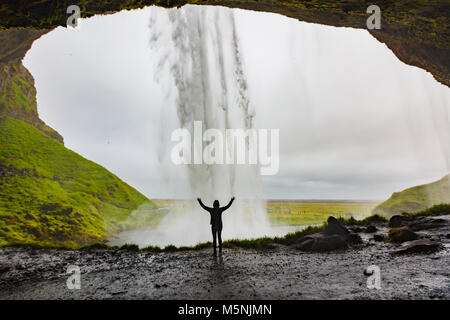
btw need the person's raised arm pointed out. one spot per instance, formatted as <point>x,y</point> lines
<point>202,205</point>
<point>228,205</point>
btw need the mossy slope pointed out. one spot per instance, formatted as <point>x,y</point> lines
<point>52,195</point>
<point>417,198</point>
<point>18,97</point>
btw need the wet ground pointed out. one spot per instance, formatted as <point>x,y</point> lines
<point>279,273</point>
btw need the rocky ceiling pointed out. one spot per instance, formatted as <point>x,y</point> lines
<point>416,31</point>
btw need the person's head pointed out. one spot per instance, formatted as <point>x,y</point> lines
<point>216,203</point>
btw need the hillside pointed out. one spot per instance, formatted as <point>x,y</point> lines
<point>52,195</point>
<point>49,194</point>
<point>18,96</point>
<point>416,198</point>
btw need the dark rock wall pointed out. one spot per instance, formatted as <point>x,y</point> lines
<point>17,91</point>
<point>415,30</point>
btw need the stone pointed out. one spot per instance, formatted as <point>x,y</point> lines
<point>400,235</point>
<point>334,227</point>
<point>321,242</point>
<point>356,229</point>
<point>4,268</point>
<point>305,245</point>
<point>354,238</point>
<point>397,221</point>
<point>415,223</point>
<point>418,246</point>
<point>378,237</point>
<point>328,243</point>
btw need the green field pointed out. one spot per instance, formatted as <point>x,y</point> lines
<point>317,212</point>
<point>282,213</point>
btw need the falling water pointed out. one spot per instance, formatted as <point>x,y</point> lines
<point>199,48</point>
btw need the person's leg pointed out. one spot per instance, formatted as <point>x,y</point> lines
<point>219,235</point>
<point>214,240</point>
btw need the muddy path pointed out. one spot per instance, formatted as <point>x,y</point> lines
<point>279,273</point>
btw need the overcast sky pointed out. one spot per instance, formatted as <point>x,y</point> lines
<point>355,122</point>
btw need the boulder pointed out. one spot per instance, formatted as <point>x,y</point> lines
<point>356,229</point>
<point>402,234</point>
<point>371,229</point>
<point>334,227</point>
<point>335,236</point>
<point>328,243</point>
<point>321,242</point>
<point>379,237</point>
<point>4,268</point>
<point>418,246</point>
<point>354,238</point>
<point>398,221</point>
<point>415,223</point>
<point>305,244</point>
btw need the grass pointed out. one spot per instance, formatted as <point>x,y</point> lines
<point>52,196</point>
<point>437,210</point>
<point>308,213</point>
<point>259,243</point>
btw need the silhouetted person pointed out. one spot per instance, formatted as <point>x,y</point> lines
<point>216,221</point>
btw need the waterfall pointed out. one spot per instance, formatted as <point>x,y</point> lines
<point>198,47</point>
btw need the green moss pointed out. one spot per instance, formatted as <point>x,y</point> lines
<point>96,246</point>
<point>129,247</point>
<point>390,233</point>
<point>154,249</point>
<point>401,234</point>
<point>260,243</point>
<point>52,196</point>
<point>170,248</point>
<point>16,94</point>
